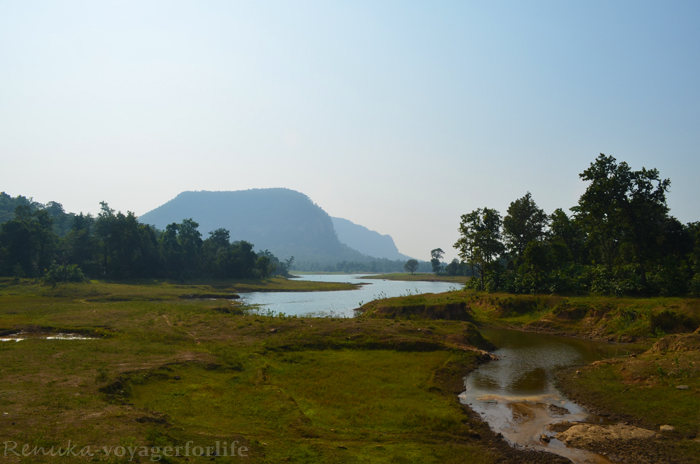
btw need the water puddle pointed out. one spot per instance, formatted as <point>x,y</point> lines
<point>516,395</point>
<point>44,336</point>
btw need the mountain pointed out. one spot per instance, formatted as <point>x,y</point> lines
<point>366,241</point>
<point>281,220</point>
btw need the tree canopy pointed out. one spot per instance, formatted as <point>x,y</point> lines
<point>117,246</point>
<point>480,242</point>
<point>620,240</point>
<point>411,266</point>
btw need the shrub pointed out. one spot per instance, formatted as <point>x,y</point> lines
<point>65,273</point>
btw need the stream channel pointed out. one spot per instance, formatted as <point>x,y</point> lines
<point>516,394</point>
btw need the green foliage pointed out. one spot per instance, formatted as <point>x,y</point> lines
<point>117,246</point>
<point>27,243</point>
<point>457,268</point>
<point>436,255</point>
<point>352,267</point>
<point>695,285</point>
<point>621,241</point>
<point>623,211</point>
<point>480,243</point>
<point>525,223</point>
<point>411,266</point>
<point>65,273</point>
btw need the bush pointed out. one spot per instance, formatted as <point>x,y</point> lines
<point>65,273</point>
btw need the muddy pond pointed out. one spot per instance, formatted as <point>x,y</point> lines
<point>516,394</point>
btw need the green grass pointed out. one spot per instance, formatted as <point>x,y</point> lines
<point>378,406</point>
<point>609,318</point>
<point>376,389</point>
<point>162,289</point>
<point>277,385</point>
<point>641,390</point>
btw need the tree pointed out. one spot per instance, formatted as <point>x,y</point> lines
<point>411,266</point>
<point>81,246</point>
<point>243,260</point>
<point>27,243</point>
<point>263,267</point>
<point>456,268</point>
<point>524,223</point>
<point>623,210</point>
<point>190,239</point>
<point>566,235</point>
<point>436,256</point>
<point>129,249</point>
<point>480,241</point>
<point>535,262</point>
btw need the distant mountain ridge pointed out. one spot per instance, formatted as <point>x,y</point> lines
<point>366,241</point>
<point>284,221</point>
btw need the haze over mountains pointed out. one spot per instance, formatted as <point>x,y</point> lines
<point>366,241</point>
<point>283,221</point>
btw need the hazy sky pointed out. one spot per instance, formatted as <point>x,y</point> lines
<point>399,116</point>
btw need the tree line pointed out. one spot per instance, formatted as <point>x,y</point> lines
<point>454,268</point>
<point>43,241</point>
<point>618,240</point>
<point>373,265</point>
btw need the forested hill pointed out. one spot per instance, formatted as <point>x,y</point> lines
<point>366,241</point>
<point>283,221</point>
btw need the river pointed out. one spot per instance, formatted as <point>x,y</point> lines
<point>340,303</point>
<point>515,395</point>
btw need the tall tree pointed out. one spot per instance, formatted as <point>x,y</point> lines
<point>524,223</point>
<point>623,208</point>
<point>411,266</point>
<point>81,245</point>
<point>436,255</point>
<point>566,235</point>
<point>480,242</point>
<point>27,242</point>
<point>129,249</point>
<point>190,239</point>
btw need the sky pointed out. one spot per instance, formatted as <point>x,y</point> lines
<point>397,115</point>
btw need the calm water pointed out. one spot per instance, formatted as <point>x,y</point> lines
<point>516,394</point>
<point>342,303</point>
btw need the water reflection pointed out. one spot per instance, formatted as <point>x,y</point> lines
<point>516,395</point>
<point>531,382</point>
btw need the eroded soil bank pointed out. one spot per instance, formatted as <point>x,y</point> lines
<point>648,401</point>
<point>623,320</point>
<point>657,390</point>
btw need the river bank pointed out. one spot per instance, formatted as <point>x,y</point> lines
<point>657,390</point>
<point>655,385</point>
<point>157,370</point>
<point>623,320</point>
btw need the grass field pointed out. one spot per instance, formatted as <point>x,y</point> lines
<point>664,354</point>
<point>180,366</point>
<point>170,365</point>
